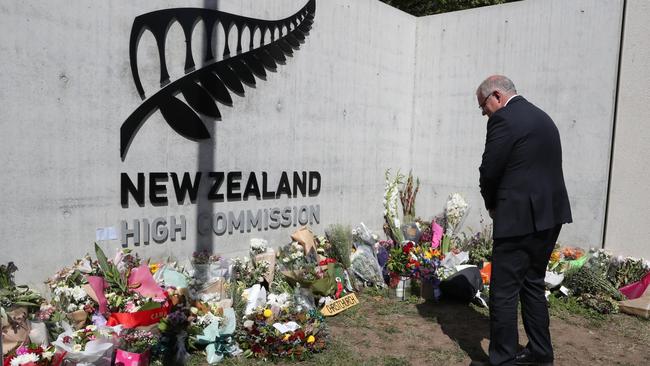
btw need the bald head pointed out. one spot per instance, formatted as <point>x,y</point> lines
<point>493,93</point>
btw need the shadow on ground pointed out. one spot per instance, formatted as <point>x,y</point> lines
<point>461,323</point>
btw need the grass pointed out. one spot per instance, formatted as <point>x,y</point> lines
<point>379,331</point>
<point>568,309</point>
<point>442,356</point>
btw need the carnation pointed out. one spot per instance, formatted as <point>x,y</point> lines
<point>24,359</point>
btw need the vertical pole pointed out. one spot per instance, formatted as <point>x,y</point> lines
<point>613,140</point>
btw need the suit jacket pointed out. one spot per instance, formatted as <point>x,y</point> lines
<point>521,174</point>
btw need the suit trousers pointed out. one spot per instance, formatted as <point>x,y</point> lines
<point>518,271</point>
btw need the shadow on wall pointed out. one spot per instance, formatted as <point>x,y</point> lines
<point>206,159</point>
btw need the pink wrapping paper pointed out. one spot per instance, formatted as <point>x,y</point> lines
<point>436,234</point>
<point>147,285</point>
<point>124,358</point>
<point>98,284</point>
<point>636,289</point>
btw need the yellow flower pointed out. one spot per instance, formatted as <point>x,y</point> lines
<point>555,256</point>
<point>286,337</point>
<point>428,254</point>
<point>267,313</point>
<point>311,339</point>
<point>154,267</point>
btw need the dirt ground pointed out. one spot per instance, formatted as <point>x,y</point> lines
<point>427,333</point>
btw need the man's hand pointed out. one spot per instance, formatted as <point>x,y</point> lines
<point>491,212</point>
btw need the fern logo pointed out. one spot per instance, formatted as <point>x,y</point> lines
<point>202,87</point>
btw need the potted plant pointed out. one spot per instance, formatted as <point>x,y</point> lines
<point>397,263</point>
<point>135,347</point>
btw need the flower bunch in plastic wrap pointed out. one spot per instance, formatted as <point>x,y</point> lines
<point>391,199</point>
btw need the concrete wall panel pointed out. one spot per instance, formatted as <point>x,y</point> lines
<point>561,55</point>
<point>627,220</point>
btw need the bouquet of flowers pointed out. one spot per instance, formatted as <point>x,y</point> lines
<point>33,355</point>
<point>399,262</point>
<point>249,272</point>
<point>455,211</point>
<point>15,305</point>
<point>424,262</point>
<point>134,347</point>
<point>282,333</point>
<point>70,291</point>
<point>205,257</point>
<point>407,196</point>
<point>209,267</point>
<point>127,292</point>
<point>12,295</point>
<point>479,245</point>
<point>258,246</point>
<point>624,271</point>
<point>391,198</point>
<point>260,252</point>
<point>137,341</point>
<point>87,345</point>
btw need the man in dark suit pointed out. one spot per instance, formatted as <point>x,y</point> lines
<point>522,185</point>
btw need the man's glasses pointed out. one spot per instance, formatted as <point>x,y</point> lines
<point>482,105</point>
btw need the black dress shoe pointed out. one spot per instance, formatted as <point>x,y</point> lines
<point>479,363</point>
<point>525,357</point>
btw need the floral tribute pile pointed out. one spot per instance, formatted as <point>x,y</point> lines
<point>125,310</point>
<point>270,304</point>
<point>429,252</point>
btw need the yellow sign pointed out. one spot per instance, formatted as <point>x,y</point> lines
<point>340,305</point>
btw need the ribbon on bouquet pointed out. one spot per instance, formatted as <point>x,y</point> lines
<point>139,318</point>
<point>140,281</point>
<point>219,338</point>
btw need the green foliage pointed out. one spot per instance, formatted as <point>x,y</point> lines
<point>478,245</point>
<point>340,237</point>
<point>7,275</point>
<point>397,260</point>
<point>603,304</point>
<point>587,281</point>
<point>112,275</point>
<point>567,308</point>
<point>12,295</point>
<point>627,271</point>
<point>428,7</point>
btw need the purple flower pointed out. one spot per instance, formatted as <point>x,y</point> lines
<point>98,320</point>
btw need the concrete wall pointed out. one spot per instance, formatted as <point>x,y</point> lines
<point>561,55</point>
<point>341,106</point>
<point>627,220</point>
<point>371,88</point>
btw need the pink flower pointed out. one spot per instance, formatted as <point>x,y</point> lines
<point>437,234</point>
<point>130,306</point>
<point>22,350</point>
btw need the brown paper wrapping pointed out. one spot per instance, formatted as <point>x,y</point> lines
<point>305,237</point>
<point>78,319</point>
<point>17,331</point>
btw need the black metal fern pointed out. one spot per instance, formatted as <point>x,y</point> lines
<point>213,82</point>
